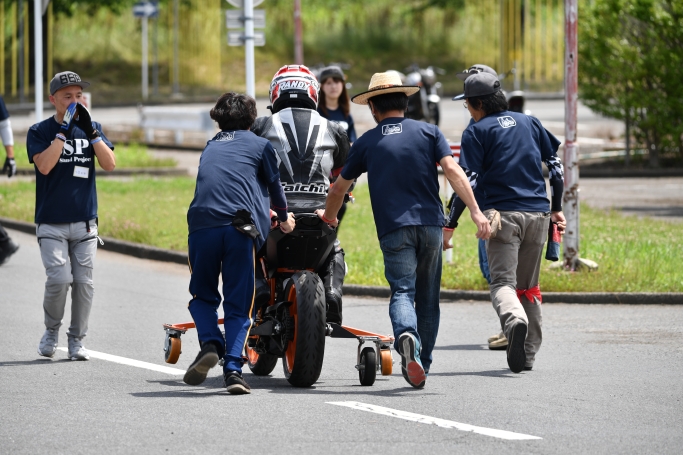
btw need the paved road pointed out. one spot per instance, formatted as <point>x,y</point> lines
<point>606,381</point>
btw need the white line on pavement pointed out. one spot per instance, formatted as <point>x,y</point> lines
<point>502,434</point>
<point>130,362</point>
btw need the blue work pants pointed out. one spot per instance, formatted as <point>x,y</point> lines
<point>222,251</point>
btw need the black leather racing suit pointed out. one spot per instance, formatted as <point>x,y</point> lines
<point>308,148</point>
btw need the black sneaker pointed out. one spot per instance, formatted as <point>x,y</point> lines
<point>206,359</point>
<point>235,383</point>
<point>7,249</point>
<point>515,352</point>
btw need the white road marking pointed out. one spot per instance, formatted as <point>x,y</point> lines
<point>130,362</point>
<point>502,434</point>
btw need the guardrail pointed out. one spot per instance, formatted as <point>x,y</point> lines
<point>179,120</point>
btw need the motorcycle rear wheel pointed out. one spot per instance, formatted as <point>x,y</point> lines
<point>303,359</point>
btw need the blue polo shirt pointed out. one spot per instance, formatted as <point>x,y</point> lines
<point>67,194</point>
<point>234,172</point>
<point>506,149</point>
<point>400,156</point>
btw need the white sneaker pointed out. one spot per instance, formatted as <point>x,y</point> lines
<point>76,349</point>
<point>48,344</point>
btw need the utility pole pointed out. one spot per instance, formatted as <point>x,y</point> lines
<point>298,34</point>
<point>570,199</point>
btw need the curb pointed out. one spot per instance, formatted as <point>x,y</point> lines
<point>630,298</point>
<point>159,254</point>
<point>126,172</point>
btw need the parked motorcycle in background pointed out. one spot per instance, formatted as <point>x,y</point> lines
<point>424,105</point>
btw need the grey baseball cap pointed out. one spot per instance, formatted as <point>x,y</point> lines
<point>331,71</point>
<point>66,79</point>
<point>480,84</point>
<point>474,69</point>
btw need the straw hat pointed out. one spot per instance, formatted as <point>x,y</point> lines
<point>382,83</point>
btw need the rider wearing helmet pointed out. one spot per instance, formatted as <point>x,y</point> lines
<point>309,149</point>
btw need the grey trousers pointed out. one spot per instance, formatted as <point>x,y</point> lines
<point>68,254</point>
<point>515,262</point>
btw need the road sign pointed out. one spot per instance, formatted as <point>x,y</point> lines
<point>240,3</point>
<point>146,9</point>
<point>238,38</point>
<point>234,18</point>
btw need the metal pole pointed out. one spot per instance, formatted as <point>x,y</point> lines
<point>38,56</point>
<point>145,64</point>
<point>155,65</point>
<point>176,72</point>
<point>249,46</point>
<point>22,43</point>
<point>571,148</point>
<point>298,34</point>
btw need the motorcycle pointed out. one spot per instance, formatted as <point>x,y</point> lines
<point>291,324</point>
<point>424,105</point>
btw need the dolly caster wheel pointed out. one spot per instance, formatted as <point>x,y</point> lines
<point>172,349</point>
<point>367,369</point>
<point>386,362</point>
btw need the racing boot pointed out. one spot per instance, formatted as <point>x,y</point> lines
<point>262,291</point>
<point>333,280</point>
<point>7,248</point>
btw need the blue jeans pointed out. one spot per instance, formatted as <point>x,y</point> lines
<point>222,251</point>
<point>484,261</point>
<point>412,266</point>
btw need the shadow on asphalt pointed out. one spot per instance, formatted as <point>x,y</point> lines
<point>462,347</point>
<point>43,361</point>
<point>214,386</point>
<point>504,373</point>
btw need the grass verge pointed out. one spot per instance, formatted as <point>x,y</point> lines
<point>634,254</point>
<point>127,156</point>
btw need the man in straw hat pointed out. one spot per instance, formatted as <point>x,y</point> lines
<point>408,213</point>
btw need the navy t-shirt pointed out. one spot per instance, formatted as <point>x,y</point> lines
<point>4,115</point>
<point>506,149</point>
<point>234,172</point>
<point>400,157</point>
<point>346,121</point>
<point>67,194</point>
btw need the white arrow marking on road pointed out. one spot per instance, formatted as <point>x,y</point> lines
<point>419,418</point>
<point>130,362</point>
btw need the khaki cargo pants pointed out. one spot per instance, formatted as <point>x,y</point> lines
<point>515,261</point>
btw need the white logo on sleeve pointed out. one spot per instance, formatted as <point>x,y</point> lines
<point>396,128</point>
<point>507,121</point>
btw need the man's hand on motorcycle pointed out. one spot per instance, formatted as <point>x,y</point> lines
<point>288,226</point>
<point>447,236</point>
<point>321,215</point>
<point>483,226</point>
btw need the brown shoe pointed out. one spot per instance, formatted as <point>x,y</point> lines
<point>498,344</point>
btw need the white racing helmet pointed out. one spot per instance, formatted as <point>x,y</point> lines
<point>294,85</point>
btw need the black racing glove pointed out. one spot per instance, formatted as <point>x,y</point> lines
<point>68,118</point>
<point>10,167</point>
<point>84,122</point>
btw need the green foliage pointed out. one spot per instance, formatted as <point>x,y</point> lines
<point>631,67</point>
<point>634,254</point>
<point>127,156</point>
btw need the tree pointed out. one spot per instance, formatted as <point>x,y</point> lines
<point>631,68</point>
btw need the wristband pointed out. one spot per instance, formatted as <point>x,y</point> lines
<point>329,221</point>
<point>60,136</point>
<point>96,140</point>
<point>448,229</point>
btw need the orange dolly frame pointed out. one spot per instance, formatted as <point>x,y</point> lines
<point>367,364</point>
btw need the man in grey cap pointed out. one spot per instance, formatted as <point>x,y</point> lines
<point>63,149</point>
<point>498,341</point>
<point>502,151</point>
